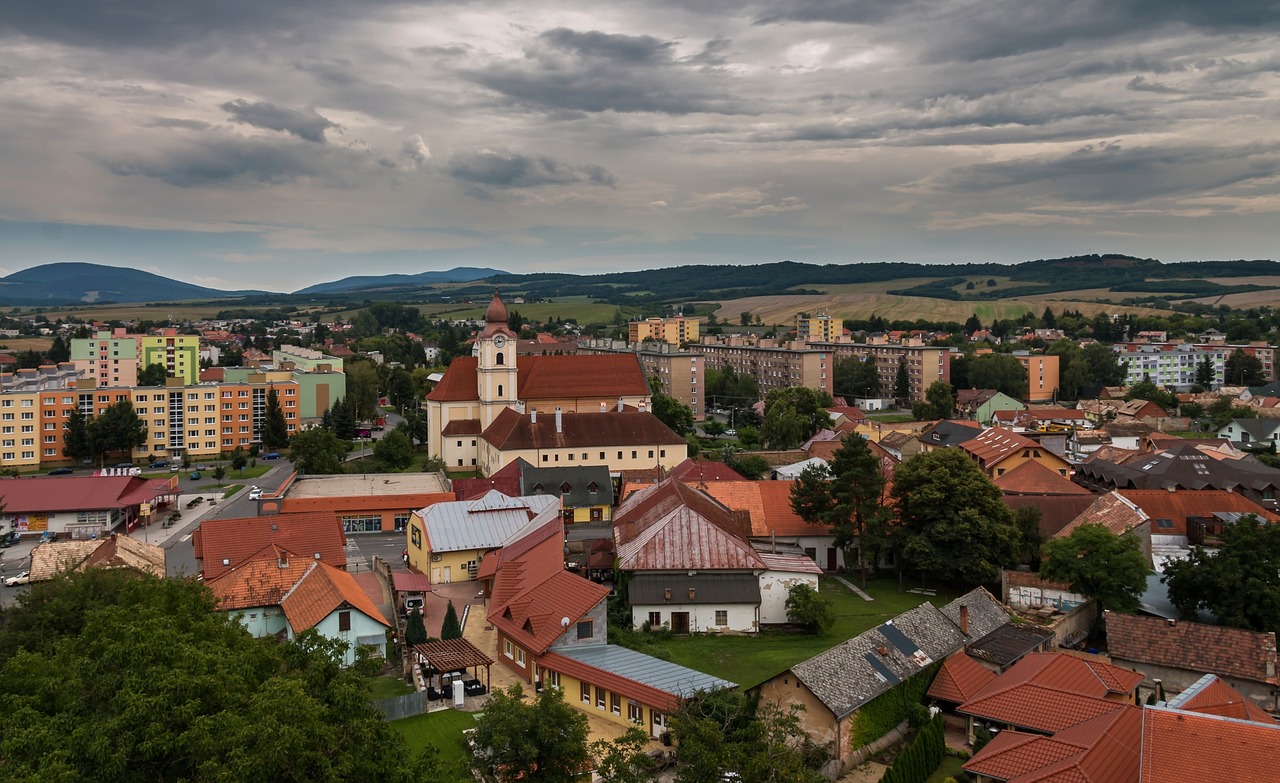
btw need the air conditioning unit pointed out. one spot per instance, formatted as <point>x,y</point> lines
<point>435,558</point>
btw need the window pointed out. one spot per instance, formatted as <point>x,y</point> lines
<point>507,648</point>
<point>650,453</point>
<point>586,693</point>
<point>344,621</point>
<point>722,617</point>
<point>655,619</point>
<point>519,657</point>
<point>615,703</point>
<point>635,713</point>
<point>365,523</point>
<point>499,359</point>
<point>551,678</point>
<point>415,536</point>
<point>585,629</point>
<point>599,698</point>
<point>499,390</point>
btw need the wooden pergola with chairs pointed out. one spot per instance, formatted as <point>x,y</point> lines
<point>453,655</point>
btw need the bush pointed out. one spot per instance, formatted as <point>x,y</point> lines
<point>808,609</point>
<point>918,761</point>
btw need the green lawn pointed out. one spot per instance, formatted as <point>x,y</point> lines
<point>386,687</point>
<point>749,660</point>
<point>442,729</point>
<point>950,769</point>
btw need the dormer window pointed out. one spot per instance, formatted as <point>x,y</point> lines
<point>564,488</point>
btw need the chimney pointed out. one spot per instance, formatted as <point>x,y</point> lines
<point>964,619</point>
<point>533,416</point>
<point>603,406</point>
<point>559,421</point>
<point>619,404</point>
<point>520,407</point>
<point>284,559</point>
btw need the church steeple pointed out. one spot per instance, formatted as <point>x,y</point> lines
<point>496,362</point>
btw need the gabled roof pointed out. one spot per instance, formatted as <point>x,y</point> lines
<point>1103,749</point>
<point>262,580</point>
<point>115,551</point>
<point>1258,429</point>
<point>854,672</point>
<point>1033,478</point>
<point>1216,649</point>
<point>1182,467</point>
<point>671,526</point>
<point>768,504</point>
<point>697,471</point>
<point>576,486</point>
<point>996,444</point>
<point>1211,696</point>
<point>959,679</point>
<point>653,681</point>
<point>54,494</point>
<point>322,591</point>
<point>1112,510</point>
<point>512,431</point>
<point>224,543</point>
<point>551,377</point>
<point>1178,746</point>
<point>950,433</point>
<point>985,612</point>
<point>1183,504</point>
<point>1051,691</point>
<point>481,523</point>
<point>1056,511</point>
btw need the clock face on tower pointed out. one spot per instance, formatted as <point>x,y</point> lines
<point>499,341</point>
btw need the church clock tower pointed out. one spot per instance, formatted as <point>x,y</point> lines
<point>495,350</point>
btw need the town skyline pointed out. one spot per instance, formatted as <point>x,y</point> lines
<point>238,146</point>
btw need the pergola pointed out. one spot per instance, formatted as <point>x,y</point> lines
<point>452,655</point>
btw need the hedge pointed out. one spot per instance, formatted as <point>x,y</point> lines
<point>921,758</point>
<point>879,716</point>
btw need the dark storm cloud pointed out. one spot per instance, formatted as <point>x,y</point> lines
<point>305,124</point>
<point>1112,172</point>
<point>569,70</point>
<point>517,170</point>
<point>221,162</point>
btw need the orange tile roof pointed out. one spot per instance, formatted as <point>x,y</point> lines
<point>959,678</point>
<point>1103,749</point>
<point>1177,506</point>
<point>1182,746</point>
<point>321,591</point>
<point>1033,478</point>
<point>261,580</point>
<point>1215,697</point>
<point>767,502</point>
<point>1051,691</point>
<point>606,376</point>
<point>236,540</point>
<point>1112,511</point>
<point>1213,649</point>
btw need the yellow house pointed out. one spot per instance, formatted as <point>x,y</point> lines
<point>622,440</point>
<point>999,451</point>
<point>447,541</point>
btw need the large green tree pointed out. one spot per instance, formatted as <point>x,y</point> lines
<point>275,431</point>
<point>939,403</point>
<point>76,437</point>
<point>317,452</point>
<point>1239,581</point>
<point>855,377</point>
<point>902,382</point>
<point>847,497</point>
<point>153,375</point>
<point>117,429</point>
<point>1105,367</point>
<point>1000,371</point>
<point>1099,564</point>
<point>793,414</point>
<point>809,609</point>
<point>953,523</point>
<point>539,741</point>
<point>730,731</point>
<point>1243,370</point>
<point>109,675</point>
<point>393,450</point>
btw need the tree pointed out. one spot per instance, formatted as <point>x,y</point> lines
<point>362,390</point>
<point>744,317</point>
<point>1030,540</point>
<point>669,410</point>
<point>713,428</point>
<point>1000,371</point>
<point>219,473</point>
<point>188,694</point>
<point>450,628</point>
<point>1243,370</point>
<point>542,741</point>
<point>953,523</point>
<point>343,418</point>
<point>414,426</point>
<point>939,403</point>
<point>59,351</point>
<point>238,460</point>
<point>415,632</point>
<point>1205,373</point>
<point>847,497</point>
<point>117,428</point>
<point>75,437</point>
<point>1239,582</point>
<point>972,323</point>
<point>317,452</point>
<point>1096,562</point>
<point>1146,390</point>
<point>153,375</point>
<point>808,609</point>
<point>275,432</point>
<point>624,760</point>
<point>729,731</point>
<point>854,377</point>
<point>393,450</point>
<point>902,382</point>
<point>793,414</point>
<point>752,467</point>
<point>1105,367</point>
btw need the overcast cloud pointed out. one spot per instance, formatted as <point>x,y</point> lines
<point>313,138</point>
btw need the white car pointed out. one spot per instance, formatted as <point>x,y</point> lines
<point>255,493</point>
<point>21,579</point>
<point>731,433</point>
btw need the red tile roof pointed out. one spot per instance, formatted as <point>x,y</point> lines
<point>321,591</point>
<point>1112,511</point>
<point>1103,749</point>
<point>236,540</point>
<point>51,494</point>
<point>1211,649</point>
<point>959,679</point>
<point>1219,698</point>
<point>1033,478</point>
<point>607,376</point>
<point>461,427</point>
<point>1056,511</point>
<point>693,471</point>
<point>1182,746</point>
<point>1051,691</point>
<point>516,431</point>
<point>259,581</point>
<point>1178,506</point>
<point>459,381</point>
<point>767,502</point>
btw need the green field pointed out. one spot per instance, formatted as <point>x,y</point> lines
<point>749,660</point>
<point>442,729</point>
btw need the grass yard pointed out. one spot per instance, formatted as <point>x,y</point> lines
<point>442,729</point>
<point>386,687</point>
<point>749,660</point>
<point>950,768</point>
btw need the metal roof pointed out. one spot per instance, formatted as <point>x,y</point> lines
<point>483,523</point>
<point>644,669</point>
<point>715,588</point>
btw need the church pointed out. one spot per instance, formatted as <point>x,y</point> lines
<point>555,411</point>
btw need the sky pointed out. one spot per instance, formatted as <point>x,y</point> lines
<point>274,145</point>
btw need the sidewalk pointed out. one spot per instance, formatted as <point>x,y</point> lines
<point>156,533</point>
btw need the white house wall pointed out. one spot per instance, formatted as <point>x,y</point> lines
<point>361,625</point>
<point>262,621</point>
<point>774,589</point>
<point>702,617</point>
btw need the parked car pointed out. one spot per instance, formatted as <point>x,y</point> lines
<point>124,464</point>
<point>731,433</point>
<point>10,539</point>
<point>255,493</point>
<point>195,475</point>
<point>48,536</point>
<point>271,455</point>
<point>62,471</point>
<point>412,603</point>
<point>160,463</point>
<point>21,579</point>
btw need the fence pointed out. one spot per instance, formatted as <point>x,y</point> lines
<point>405,706</point>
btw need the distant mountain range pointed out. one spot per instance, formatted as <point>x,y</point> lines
<point>371,283</point>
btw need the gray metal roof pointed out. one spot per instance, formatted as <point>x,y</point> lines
<point>483,523</point>
<point>578,479</point>
<point>1008,643</point>
<point>645,669</point>
<point>709,588</point>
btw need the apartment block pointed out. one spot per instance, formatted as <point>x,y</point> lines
<point>774,365</point>
<point>680,371</point>
<point>114,359</point>
<point>19,417</point>
<point>1042,375</point>
<point>1258,350</point>
<point>676,331</point>
<point>1171,365</point>
<point>817,329</point>
<point>293,357</point>
<point>925,364</point>
<point>179,354</point>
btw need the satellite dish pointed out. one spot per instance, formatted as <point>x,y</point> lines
<point>564,622</point>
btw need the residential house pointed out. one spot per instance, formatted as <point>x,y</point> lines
<point>1251,433</point>
<point>222,544</point>
<point>1102,411</point>
<point>585,491</point>
<point>1207,737</point>
<point>447,541</point>
<point>981,405</point>
<point>1184,467</point>
<point>901,445</point>
<point>947,433</point>
<point>1102,749</point>
<point>1178,653</point>
<point>1053,418</point>
<point>115,551</point>
<point>832,686</point>
<point>768,506</point>
<point>993,639</point>
<point>552,632</point>
<point>999,451</point>
<point>959,679</point>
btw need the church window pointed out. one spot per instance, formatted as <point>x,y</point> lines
<point>500,359</point>
<point>499,385</point>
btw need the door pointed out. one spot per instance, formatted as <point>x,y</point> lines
<point>435,575</point>
<point>447,579</point>
<point>680,623</point>
<point>831,558</point>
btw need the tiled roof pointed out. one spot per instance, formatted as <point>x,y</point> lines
<point>516,431</point>
<point>1051,691</point>
<point>459,381</point>
<point>857,670</point>
<point>470,489</point>
<point>951,433</point>
<point>115,551</point>
<point>607,376</point>
<point>767,502</point>
<point>1112,511</point>
<point>986,613</point>
<point>1033,478</point>
<point>671,526</point>
<point>53,494</point>
<point>1178,506</point>
<point>321,591</point>
<point>236,540</point>
<point>995,445</point>
<point>959,679</point>
<point>1213,649</point>
<point>1179,746</point>
<point>1103,749</point>
<point>1056,511</point>
<point>262,580</point>
<point>653,501</point>
<point>1182,467</point>
<point>461,427</point>
<point>1211,696</point>
<point>695,471</point>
